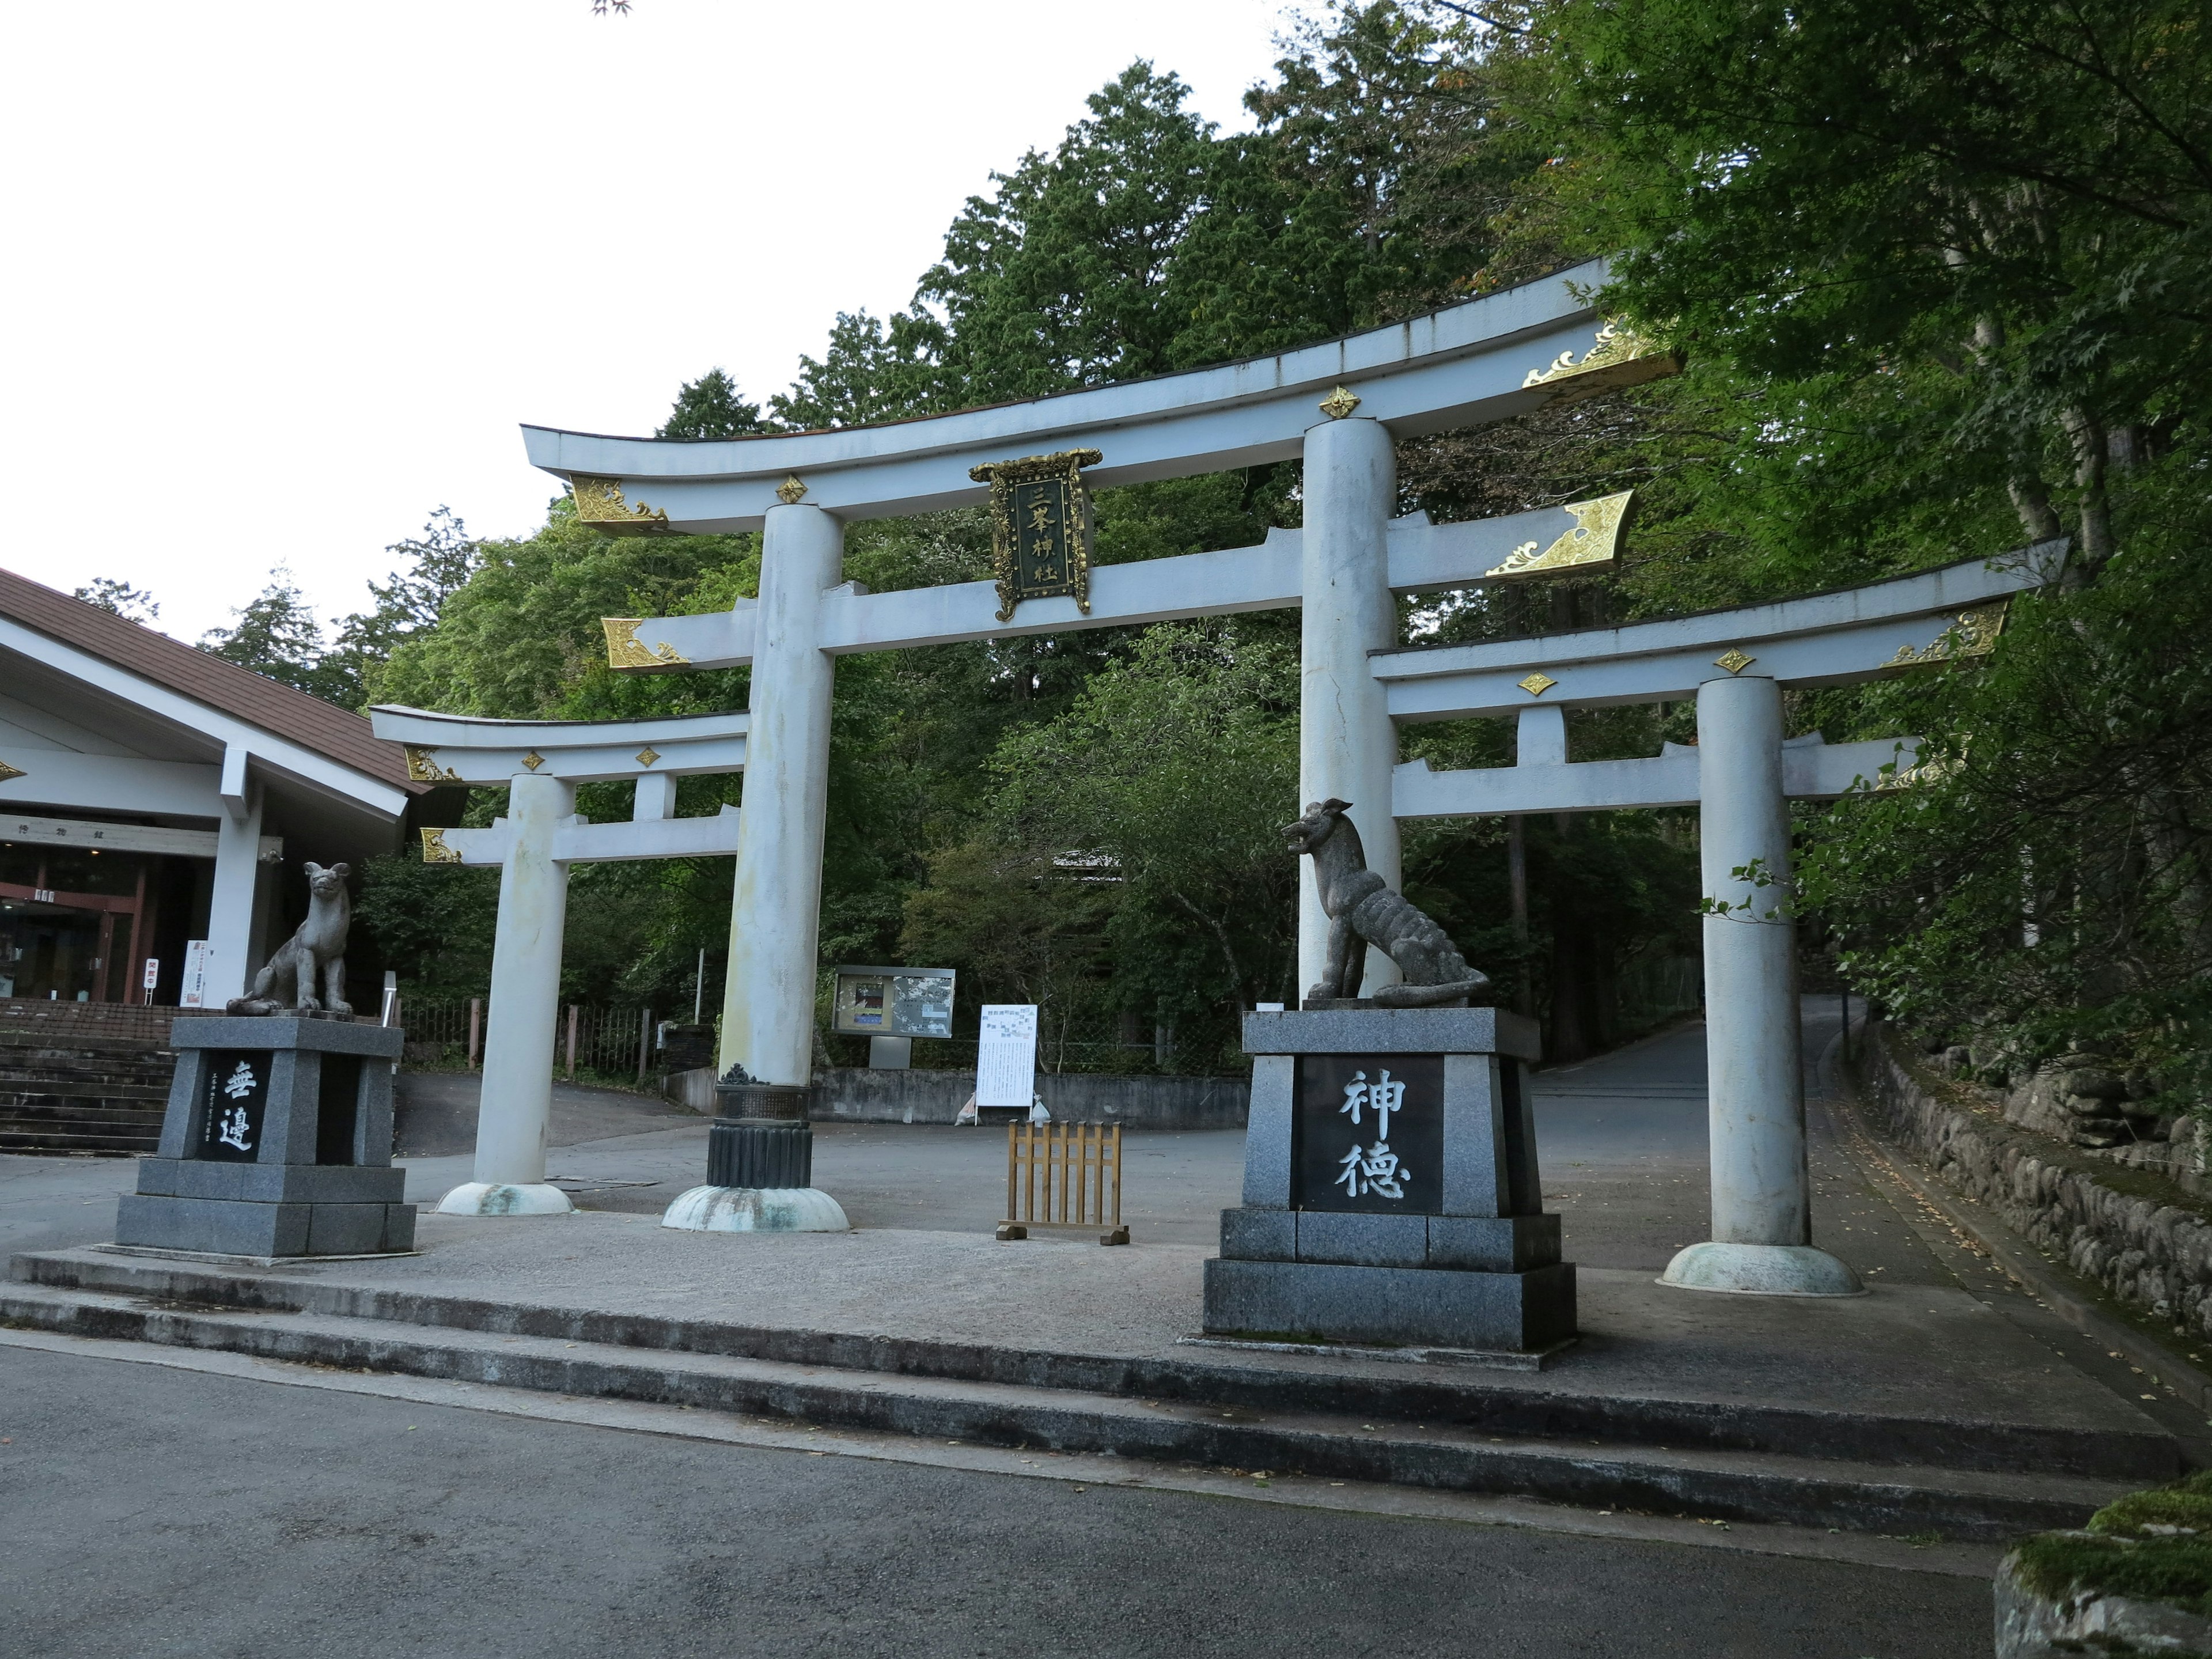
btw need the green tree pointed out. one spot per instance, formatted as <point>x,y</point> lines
<point>277,635</point>
<point>120,599</point>
<point>408,602</point>
<point>711,407</point>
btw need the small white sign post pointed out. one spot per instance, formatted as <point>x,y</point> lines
<point>192,992</point>
<point>1005,1059</point>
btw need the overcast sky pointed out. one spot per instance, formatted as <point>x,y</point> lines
<point>286,276</point>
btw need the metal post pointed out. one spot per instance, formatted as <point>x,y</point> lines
<point>644,1042</point>
<point>699,988</point>
<point>573,1012</point>
<point>476,1029</point>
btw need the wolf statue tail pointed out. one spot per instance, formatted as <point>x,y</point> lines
<point>1430,996</point>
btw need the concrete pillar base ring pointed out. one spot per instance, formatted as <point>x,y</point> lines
<point>490,1198</point>
<point>1761,1270</point>
<point>757,1210</point>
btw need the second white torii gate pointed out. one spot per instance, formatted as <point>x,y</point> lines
<point>539,763</point>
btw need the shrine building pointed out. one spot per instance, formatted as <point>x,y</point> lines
<point>151,794</point>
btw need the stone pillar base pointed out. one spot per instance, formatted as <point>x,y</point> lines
<point>757,1210</point>
<point>489,1198</point>
<point>1761,1270</point>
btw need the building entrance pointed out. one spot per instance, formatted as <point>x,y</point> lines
<point>68,921</point>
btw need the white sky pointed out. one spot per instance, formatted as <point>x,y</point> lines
<point>286,276</point>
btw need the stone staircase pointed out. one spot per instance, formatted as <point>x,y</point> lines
<point>1869,1467</point>
<point>75,1079</point>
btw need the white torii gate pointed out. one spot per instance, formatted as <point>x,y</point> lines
<point>1742,775</point>
<point>539,763</point>
<point>1340,405</point>
<point>1483,360</point>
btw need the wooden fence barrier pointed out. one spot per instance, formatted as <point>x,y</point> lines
<point>1078,1167</point>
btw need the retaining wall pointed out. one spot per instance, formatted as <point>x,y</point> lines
<point>850,1094</point>
<point>2132,1230</point>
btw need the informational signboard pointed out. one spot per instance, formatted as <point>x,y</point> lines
<point>1005,1059</point>
<point>1370,1134</point>
<point>907,1002</point>
<point>193,994</point>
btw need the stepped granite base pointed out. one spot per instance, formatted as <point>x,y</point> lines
<point>1390,1187</point>
<point>276,1142</point>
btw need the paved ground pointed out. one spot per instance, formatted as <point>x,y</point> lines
<point>158,1512</point>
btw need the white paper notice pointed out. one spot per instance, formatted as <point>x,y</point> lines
<point>1005,1059</point>
<point>193,992</point>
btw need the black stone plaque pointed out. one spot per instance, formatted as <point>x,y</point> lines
<point>1391,1160</point>
<point>235,1098</point>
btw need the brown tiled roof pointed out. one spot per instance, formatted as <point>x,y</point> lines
<point>335,732</point>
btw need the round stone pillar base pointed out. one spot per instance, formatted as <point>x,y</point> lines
<point>757,1210</point>
<point>499,1198</point>
<point>1761,1270</point>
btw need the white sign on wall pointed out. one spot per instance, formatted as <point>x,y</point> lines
<point>192,993</point>
<point>1005,1059</point>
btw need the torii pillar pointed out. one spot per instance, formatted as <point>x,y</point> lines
<point>1348,743</point>
<point>760,1153</point>
<point>1762,1239</point>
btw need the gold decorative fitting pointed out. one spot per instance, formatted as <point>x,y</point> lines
<point>1933,769</point>
<point>792,490</point>
<point>435,850</point>
<point>1619,356</point>
<point>8,771</point>
<point>1537,684</point>
<point>1339,403</point>
<point>1734,661</point>
<point>1595,539</point>
<point>423,767</point>
<point>533,760</point>
<point>626,650</point>
<point>1040,527</point>
<point>647,756</point>
<point>1972,634</point>
<point>600,504</point>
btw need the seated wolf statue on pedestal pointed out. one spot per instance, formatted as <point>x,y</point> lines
<point>288,983</point>
<point>1362,911</point>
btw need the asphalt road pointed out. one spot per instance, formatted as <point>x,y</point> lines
<point>145,1511</point>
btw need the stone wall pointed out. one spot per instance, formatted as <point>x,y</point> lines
<point>851,1094</point>
<point>2113,1214</point>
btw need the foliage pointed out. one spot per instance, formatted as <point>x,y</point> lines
<point>711,407</point>
<point>1934,271</point>
<point>1934,266</point>
<point>120,599</point>
<point>277,635</point>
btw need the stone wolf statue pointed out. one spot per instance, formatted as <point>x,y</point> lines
<point>1362,911</point>
<point>288,981</point>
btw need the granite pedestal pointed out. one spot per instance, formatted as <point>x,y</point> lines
<point>276,1142</point>
<point>1390,1187</point>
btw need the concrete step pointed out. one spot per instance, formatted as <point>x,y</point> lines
<point>1465,1395</point>
<point>32,1103</point>
<point>76,1142</point>
<point>1960,1504</point>
<point>92,1134</point>
<point>64,1092</point>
